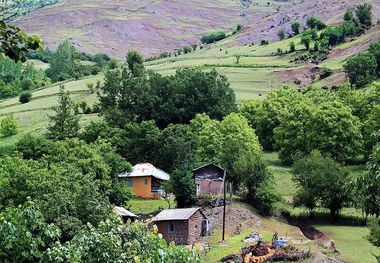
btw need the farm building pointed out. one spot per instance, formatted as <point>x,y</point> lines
<point>145,180</point>
<point>183,226</point>
<point>124,213</point>
<point>209,179</point>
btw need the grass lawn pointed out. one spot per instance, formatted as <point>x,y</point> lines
<point>148,206</point>
<point>351,242</point>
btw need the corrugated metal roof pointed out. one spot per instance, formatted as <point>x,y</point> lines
<point>176,214</point>
<point>146,169</point>
<point>123,212</point>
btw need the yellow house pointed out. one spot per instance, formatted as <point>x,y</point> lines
<point>145,180</point>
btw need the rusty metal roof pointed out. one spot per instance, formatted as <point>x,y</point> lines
<point>176,214</point>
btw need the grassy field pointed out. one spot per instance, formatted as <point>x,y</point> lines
<point>145,206</point>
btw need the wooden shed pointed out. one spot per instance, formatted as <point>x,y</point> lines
<point>145,180</point>
<point>182,226</point>
<point>209,179</point>
<point>124,213</point>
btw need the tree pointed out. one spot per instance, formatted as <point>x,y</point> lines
<point>323,180</point>
<point>183,186</point>
<point>349,16</point>
<point>364,15</point>
<point>9,126</point>
<point>64,123</point>
<point>374,235</point>
<point>368,185</point>
<point>135,62</point>
<point>281,33</point>
<point>296,27</point>
<point>361,69</point>
<point>292,47</point>
<point>314,23</point>
<point>24,234</point>
<point>237,59</point>
<point>62,63</point>
<point>306,40</point>
<point>113,241</point>
<point>374,49</point>
<point>15,44</point>
<point>25,97</point>
<point>164,99</point>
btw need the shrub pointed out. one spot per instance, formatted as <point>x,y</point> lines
<point>281,34</point>
<point>292,47</point>
<point>264,42</point>
<point>9,126</point>
<point>314,23</point>
<point>326,72</point>
<point>213,37</point>
<point>25,97</point>
<point>296,27</point>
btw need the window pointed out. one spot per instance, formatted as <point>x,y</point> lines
<point>129,182</point>
<point>146,181</point>
<point>171,227</point>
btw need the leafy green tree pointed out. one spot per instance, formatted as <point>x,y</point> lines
<point>24,234</point>
<point>368,185</point>
<point>361,69</point>
<point>15,44</point>
<point>349,16</point>
<point>165,99</point>
<point>33,147</point>
<point>281,34</point>
<point>374,49</point>
<point>62,63</point>
<point>9,126</point>
<point>314,23</point>
<point>306,40</point>
<point>113,241</point>
<point>292,47</point>
<point>296,27</point>
<point>265,116</point>
<point>183,186</point>
<point>370,127</point>
<point>364,15</point>
<point>324,181</point>
<point>135,62</point>
<point>64,123</point>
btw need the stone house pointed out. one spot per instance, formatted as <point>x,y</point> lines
<point>209,179</point>
<point>182,226</point>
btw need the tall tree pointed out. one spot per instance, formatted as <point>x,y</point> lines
<point>361,69</point>
<point>135,62</point>
<point>364,14</point>
<point>65,122</point>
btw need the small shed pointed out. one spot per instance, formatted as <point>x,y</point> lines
<point>182,226</point>
<point>209,179</point>
<point>124,213</point>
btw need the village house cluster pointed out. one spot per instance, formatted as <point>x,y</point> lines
<point>182,226</point>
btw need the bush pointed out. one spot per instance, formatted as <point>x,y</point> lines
<point>25,97</point>
<point>213,37</point>
<point>326,72</point>
<point>9,126</point>
<point>296,27</point>
<point>281,34</point>
<point>264,42</point>
<point>314,23</point>
<point>292,47</point>
<point>361,69</point>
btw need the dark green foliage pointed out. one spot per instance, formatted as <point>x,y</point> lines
<point>323,180</point>
<point>25,97</point>
<point>368,185</point>
<point>264,42</point>
<point>325,73</point>
<point>306,40</point>
<point>113,241</point>
<point>296,27</point>
<point>314,23</point>
<point>292,47</point>
<point>183,187</point>
<point>374,235</point>
<point>165,99</point>
<point>213,37</point>
<point>374,49</point>
<point>364,15</point>
<point>15,44</point>
<point>135,62</point>
<point>33,147</point>
<point>64,123</point>
<point>349,16</point>
<point>361,69</point>
<point>16,78</point>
